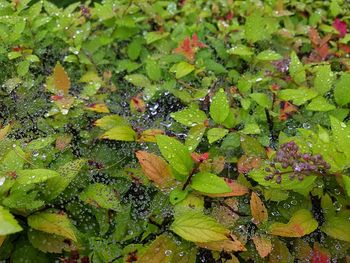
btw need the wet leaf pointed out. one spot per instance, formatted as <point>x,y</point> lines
<point>209,183</point>
<point>335,226</point>
<point>197,227</point>
<point>120,133</point>
<point>258,209</point>
<point>263,245</point>
<point>161,250</point>
<point>111,121</point>
<point>216,134</point>
<point>48,243</point>
<point>189,116</point>
<point>219,107</point>
<point>9,224</point>
<point>155,168</point>
<point>342,90</point>
<point>237,189</point>
<point>61,82</point>
<point>101,196</point>
<point>296,69</point>
<point>34,176</point>
<point>53,222</point>
<point>301,223</point>
<point>229,245</point>
<point>175,153</point>
<point>182,69</point>
<point>98,107</point>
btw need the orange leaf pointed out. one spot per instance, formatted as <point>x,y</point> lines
<point>286,110</point>
<point>137,105</point>
<point>237,189</point>
<point>314,37</point>
<point>61,79</point>
<point>247,163</point>
<point>98,107</point>
<point>63,141</point>
<point>228,245</point>
<point>4,131</point>
<point>262,245</point>
<point>258,209</point>
<point>155,168</point>
<point>320,255</point>
<point>150,135</point>
<point>301,223</point>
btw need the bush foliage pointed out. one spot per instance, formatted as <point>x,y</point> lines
<point>175,131</point>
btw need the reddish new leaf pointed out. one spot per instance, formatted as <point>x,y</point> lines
<point>340,26</point>
<point>189,46</point>
<point>286,110</point>
<point>320,255</point>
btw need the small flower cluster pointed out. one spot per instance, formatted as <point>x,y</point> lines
<point>289,156</point>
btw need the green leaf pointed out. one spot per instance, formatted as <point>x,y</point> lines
<point>268,55</point>
<point>54,223</point>
<point>110,121</point>
<point>54,186</point>
<point>296,69</point>
<point>196,227</point>
<point>189,116</point>
<point>34,176</point>
<point>215,134</point>
<point>138,80</point>
<point>219,107</point>
<point>120,133</point>
<point>8,225</point>
<point>259,28</point>
<point>175,153</point>
<point>320,104</point>
<point>302,223</point>
<point>298,96</point>
<point>23,67</point>
<point>209,183</point>
<point>337,227</point>
<point>251,128</point>
<point>155,36</point>
<point>346,182</point>
<point>40,143</point>
<point>177,196</point>
<point>134,48</point>
<point>262,99</point>
<point>100,195</point>
<point>341,135</point>
<point>302,187</point>
<point>48,243</point>
<point>194,136</point>
<point>240,50</point>
<point>153,70</point>
<point>251,146</point>
<point>342,90</point>
<point>182,69</point>
<point>324,79</point>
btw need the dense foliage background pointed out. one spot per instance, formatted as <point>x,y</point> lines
<point>174,131</point>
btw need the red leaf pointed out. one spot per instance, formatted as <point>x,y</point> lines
<point>199,158</point>
<point>189,46</point>
<point>286,110</point>
<point>314,37</point>
<point>319,255</point>
<point>340,26</point>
